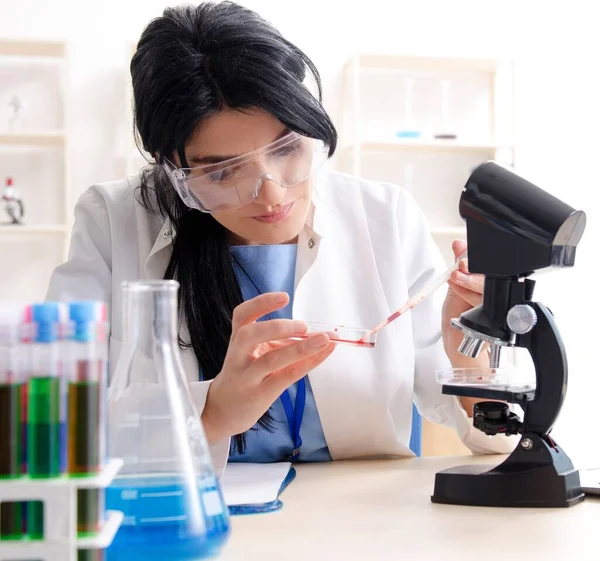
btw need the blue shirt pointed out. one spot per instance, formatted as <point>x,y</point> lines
<point>271,268</point>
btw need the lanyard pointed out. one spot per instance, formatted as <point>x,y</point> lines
<point>294,416</point>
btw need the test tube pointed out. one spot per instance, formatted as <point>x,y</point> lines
<point>91,555</point>
<point>12,380</point>
<point>86,398</point>
<point>43,406</point>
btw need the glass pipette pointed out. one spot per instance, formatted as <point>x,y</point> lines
<point>360,337</point>
<point>420,296</point>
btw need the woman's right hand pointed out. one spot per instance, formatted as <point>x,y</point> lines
<point>261,363</point>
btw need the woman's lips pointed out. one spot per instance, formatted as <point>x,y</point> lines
<point>274,217</point>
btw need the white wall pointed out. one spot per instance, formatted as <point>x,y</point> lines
<point>557,93</point>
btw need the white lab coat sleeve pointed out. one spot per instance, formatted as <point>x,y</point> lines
<point>88,275</point>
<point>424,262</point>
<point>219,451</point>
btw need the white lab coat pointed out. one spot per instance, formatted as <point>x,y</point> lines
<point>364,250</point>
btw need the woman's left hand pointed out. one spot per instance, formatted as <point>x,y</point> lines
<point>464,292</point>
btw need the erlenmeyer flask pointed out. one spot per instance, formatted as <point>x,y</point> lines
<point>167,488</point>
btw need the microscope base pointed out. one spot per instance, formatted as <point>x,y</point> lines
<point>520,481</point>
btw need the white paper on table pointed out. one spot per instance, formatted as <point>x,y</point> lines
<point>251,484</point>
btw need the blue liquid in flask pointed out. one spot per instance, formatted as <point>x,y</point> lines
<point>155,525</point>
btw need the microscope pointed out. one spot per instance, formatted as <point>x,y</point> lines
<point>515,229</point>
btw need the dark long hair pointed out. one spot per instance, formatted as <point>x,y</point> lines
<point>189,64</point>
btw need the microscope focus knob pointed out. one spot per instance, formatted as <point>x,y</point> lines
<point>521,319</point>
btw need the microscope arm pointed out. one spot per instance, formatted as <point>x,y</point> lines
<point>549,358</point>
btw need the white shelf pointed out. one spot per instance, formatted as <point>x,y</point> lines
<point>424,144</point>
<point>31,66</point>
<point>458,231</point>
<point>106,535</point>
<point>19,48</point>
<point>25,230</point>
<point>41,138</point>
<point>390,62</point>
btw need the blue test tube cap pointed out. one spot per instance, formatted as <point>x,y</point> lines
<point>46,317</point>
<point>85,316</point>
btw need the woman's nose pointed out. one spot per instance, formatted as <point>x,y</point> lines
<point>270,193</point>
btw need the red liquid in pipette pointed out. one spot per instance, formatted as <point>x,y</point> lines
<point>394,316</point>
<point>398,313</point>
<point>418,298</point>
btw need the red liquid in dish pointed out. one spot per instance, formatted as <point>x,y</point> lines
<point>355,342</point>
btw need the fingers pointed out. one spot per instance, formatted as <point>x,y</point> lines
<point>283,379</point>
<point>251,310</point>
<point>473,298</point>
<point>468,281</point>
<point>458,247</point>
<point>250,335</point>
<point>284,357</point>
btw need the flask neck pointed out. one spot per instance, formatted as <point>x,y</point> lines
<point>151,313</point>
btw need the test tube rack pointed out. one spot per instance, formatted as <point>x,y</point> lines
<point>59,497</point>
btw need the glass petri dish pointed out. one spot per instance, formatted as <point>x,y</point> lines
<point>506,379</point>
<point>341,334</point>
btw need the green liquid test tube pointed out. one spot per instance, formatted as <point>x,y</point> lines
<point>43,441</point>
<point>43,422</point>
<point>90,555</point>
<point>43,408</point>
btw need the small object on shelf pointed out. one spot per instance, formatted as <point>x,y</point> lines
<point>445,132</point>
<point>408,134</point>
<point>408,131</point>
<point>13,204</point>
<point>17,105</point>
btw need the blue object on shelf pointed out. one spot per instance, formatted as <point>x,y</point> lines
<point>408,134</point>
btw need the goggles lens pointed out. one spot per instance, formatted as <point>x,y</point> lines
<point>237,182</point>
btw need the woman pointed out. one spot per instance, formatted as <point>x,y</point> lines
<point>241,211</point>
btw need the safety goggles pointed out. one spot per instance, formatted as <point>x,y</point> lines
<point>237,182</point>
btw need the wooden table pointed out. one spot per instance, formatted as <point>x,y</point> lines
<point>381,510</point>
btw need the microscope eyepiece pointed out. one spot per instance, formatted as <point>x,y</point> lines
<point>514,228</point>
